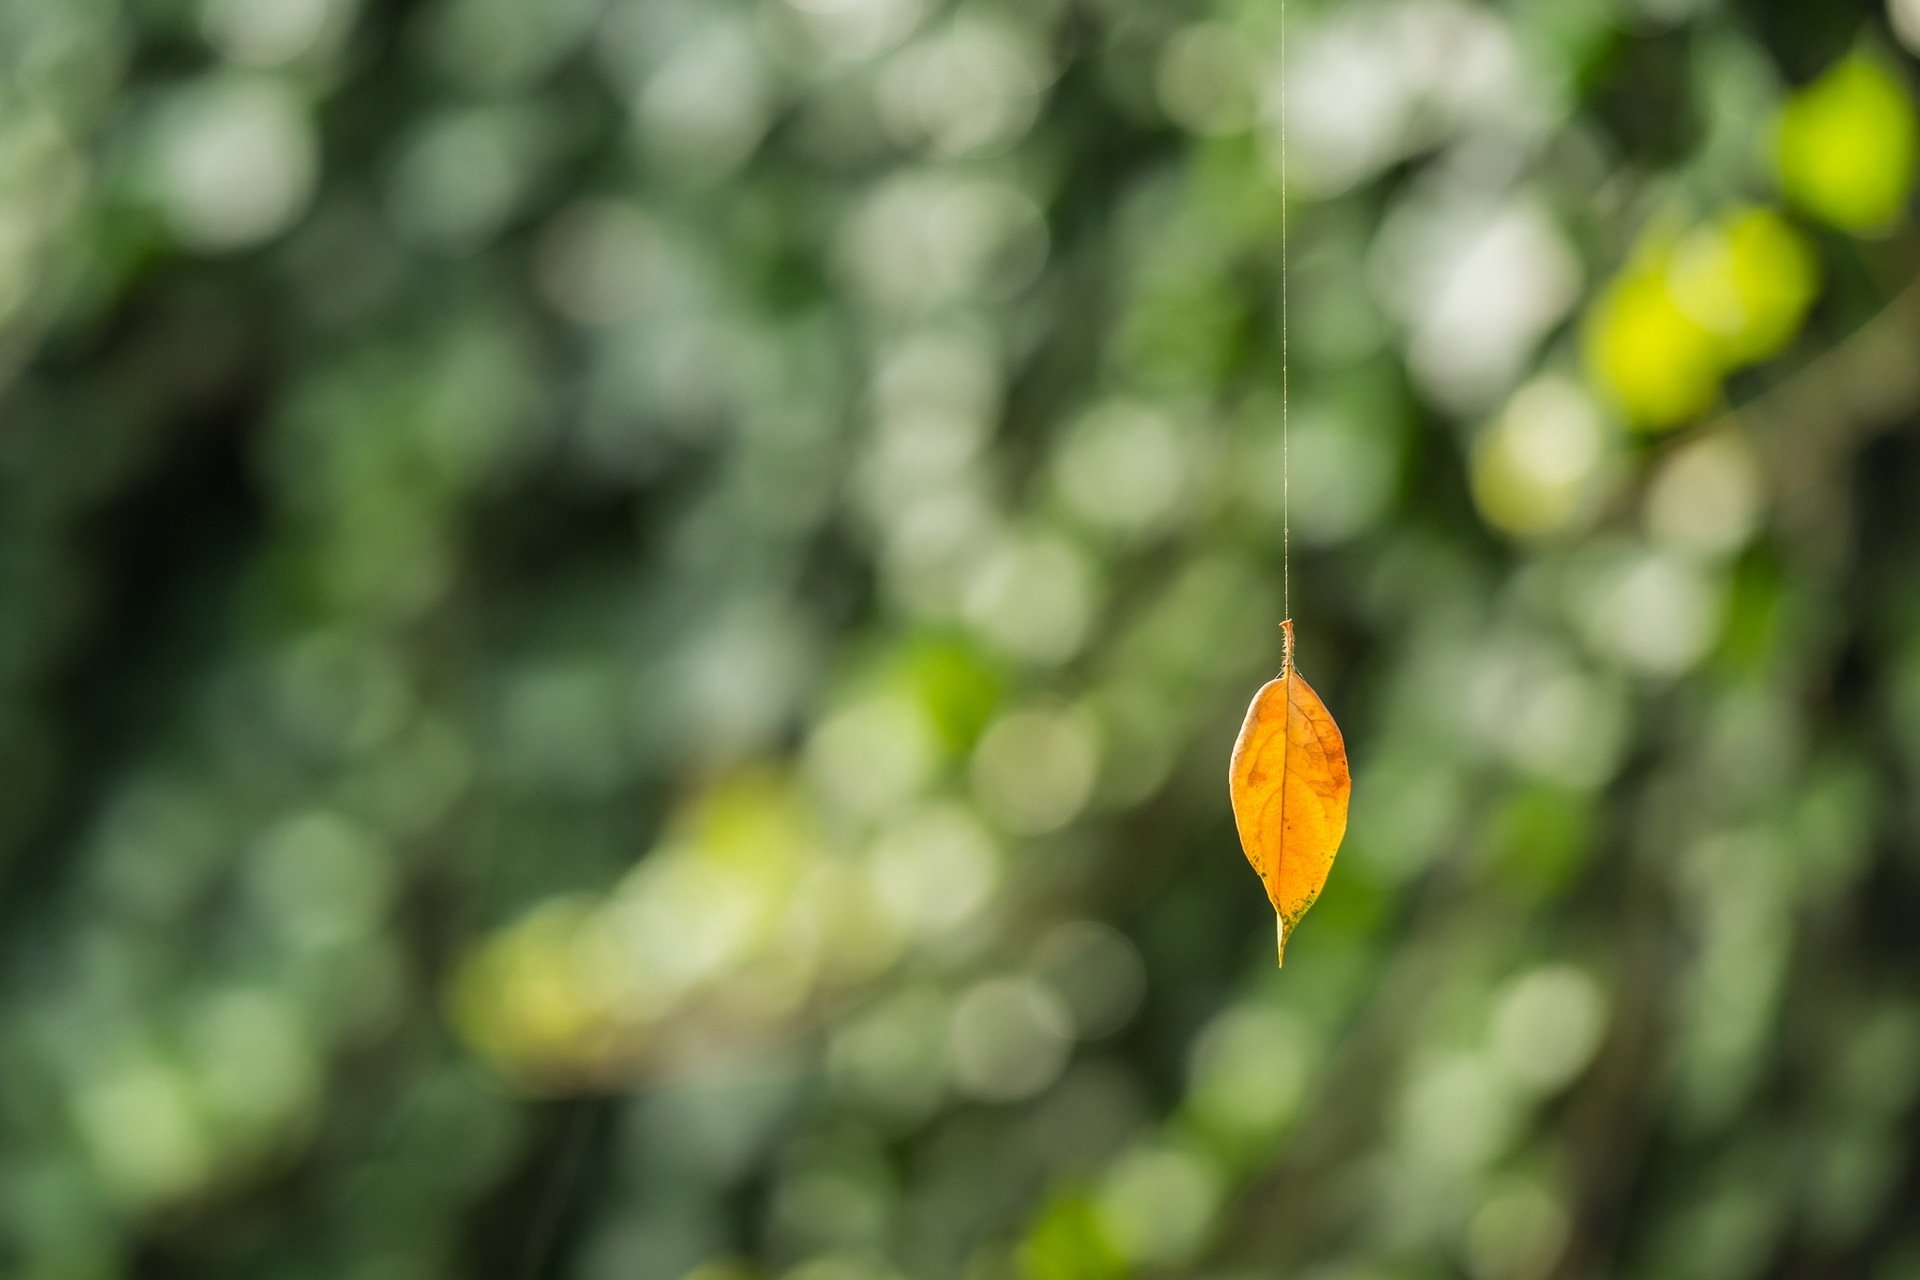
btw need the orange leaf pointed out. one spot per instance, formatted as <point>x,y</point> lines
<point>1290,787</point>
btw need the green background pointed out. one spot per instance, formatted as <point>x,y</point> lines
<point>621,621</point>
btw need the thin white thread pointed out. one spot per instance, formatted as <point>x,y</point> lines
<point>1286,452</point>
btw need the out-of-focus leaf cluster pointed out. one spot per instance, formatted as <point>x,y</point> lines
<point>620,622</point>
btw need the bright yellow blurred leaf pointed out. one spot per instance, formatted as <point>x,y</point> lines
<point>1773,276</point>
<point>1685,311</point>
<point>1658,362</point>
<point>1845,145</point>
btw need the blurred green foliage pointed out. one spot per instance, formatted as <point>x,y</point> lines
<point>620,622</point>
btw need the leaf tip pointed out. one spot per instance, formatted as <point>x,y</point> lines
<point>1280,935</point>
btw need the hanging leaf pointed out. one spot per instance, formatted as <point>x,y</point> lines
<point>1290,786</point>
